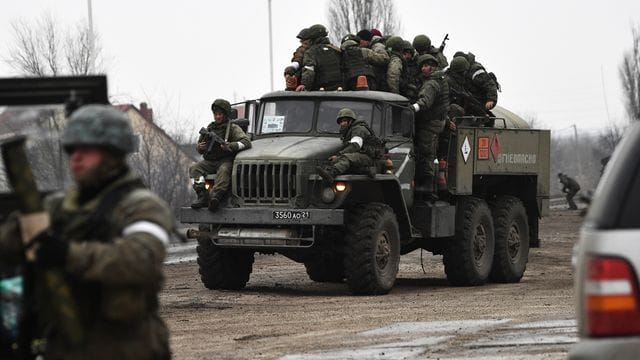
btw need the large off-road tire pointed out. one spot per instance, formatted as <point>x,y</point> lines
<point>328,269</point>
<point>469,255</point>
<point>221,268</point>
<point>372,249</point>
<point>511,238</point>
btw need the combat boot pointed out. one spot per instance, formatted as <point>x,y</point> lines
<point>203,196</point>
<point>216,199</point>
<point>327,174</point>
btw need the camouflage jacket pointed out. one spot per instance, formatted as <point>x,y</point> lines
<point>394,73</point>
<point>433,99</point>
<point>114,269</point>
<point>238,140</point>
<point>321,66</point>
<point>358,137</point>
<point>481,84</point>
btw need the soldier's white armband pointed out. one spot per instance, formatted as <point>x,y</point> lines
<point>148,227</point>
<point>356,140</point>
<point>295,65</point>
<point>240,145</point>
<point>310,68</point>
<point>478,72</point>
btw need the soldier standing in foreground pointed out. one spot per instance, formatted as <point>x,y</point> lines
<point>107,235</point>
<point>431,112</point>
<point>569,187</point>
<point>218,144</point>
<point>360,147</point>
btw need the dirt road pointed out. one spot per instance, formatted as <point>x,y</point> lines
<point>283,314</point>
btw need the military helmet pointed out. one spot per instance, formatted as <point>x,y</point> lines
<point>303,34</point>
<point>222,105</point>
<point>406,46</point>
<point>421,43</point>
<point>352,37</point>
<point>427,58</point>
<point>459,65</point>
<point>99,125</point>
<point>345,113</point>
<point>395,43</point>
<point>317,31</point>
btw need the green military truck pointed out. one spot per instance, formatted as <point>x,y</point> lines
<point>492,191</point>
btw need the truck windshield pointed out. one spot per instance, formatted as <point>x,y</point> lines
<point>286,116</point>
<point>296,116</point>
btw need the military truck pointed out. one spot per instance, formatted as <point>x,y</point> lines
<point>493,190</point>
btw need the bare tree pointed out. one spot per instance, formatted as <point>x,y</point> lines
<point>351,16</point>
<point>630,76</point>
<point>39,49</point>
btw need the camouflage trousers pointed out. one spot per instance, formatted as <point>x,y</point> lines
<point>222,169</point>
<point>426,142</point>
<point>351,162</point>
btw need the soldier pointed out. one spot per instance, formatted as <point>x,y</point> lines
<point>292,73</point>
<point>354,63</point>
<point>456,76</point>
<point>396,64</point>
<point>321,63</point>
<point>422,44</point>
<point>107,235</point>
<point>377,56</point>
<point>482,85</point>
<point>431,112</point>
<point>218,156</point>
<point>360,147</point>
<point>411,79</point>
<point>569,187</point>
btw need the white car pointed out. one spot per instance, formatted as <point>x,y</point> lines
<point>608,261</point>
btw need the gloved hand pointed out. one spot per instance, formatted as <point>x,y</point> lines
<point>51,250</point>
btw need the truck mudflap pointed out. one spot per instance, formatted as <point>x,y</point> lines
<point>263,216</point>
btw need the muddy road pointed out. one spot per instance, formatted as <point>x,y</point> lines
<point>281,314</point>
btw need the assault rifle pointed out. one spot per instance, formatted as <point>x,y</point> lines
<point>470,104</point>
<point>444,43</point>
<point>212,138</point>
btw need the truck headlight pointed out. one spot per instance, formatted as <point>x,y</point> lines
<point>328,195</point>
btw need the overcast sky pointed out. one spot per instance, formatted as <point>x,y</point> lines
<point>556,60</point>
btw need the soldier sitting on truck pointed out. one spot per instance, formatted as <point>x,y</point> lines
<point>218,144</point>
<point>360,147</point>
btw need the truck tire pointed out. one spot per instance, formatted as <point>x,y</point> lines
<point>220,268</point>
<point>469,256</point>
<point>372,249</point>
<point>511,238</point>
<point>325,269</point>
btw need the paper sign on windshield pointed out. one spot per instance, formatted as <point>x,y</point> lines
<point>272,124</point>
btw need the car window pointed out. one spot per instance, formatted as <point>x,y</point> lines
<point>617,195</point>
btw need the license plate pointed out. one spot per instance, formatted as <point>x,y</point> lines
<point>291,215</point>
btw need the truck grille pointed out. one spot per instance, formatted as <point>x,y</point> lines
<point>259,183</point>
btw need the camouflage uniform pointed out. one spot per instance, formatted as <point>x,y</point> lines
<point>377,56</point>
<point>396,64</point>
<point>114,244</point>
<point>422,44</point>
<point>431,112</point>
<point>354,64</point>
<point>481,85</point>
<point>293,72</point>
<point>571,188</point>
<point>218,161</point>
<point>359,147</point>
<point>321,63</point>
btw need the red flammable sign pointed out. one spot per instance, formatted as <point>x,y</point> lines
<point>483,148</point>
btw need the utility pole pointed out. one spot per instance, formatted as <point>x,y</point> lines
<point>270,47</point>
<point>91,37</point>
<point>577,150</point>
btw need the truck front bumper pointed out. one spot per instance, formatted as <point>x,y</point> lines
<point>263,216</point>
